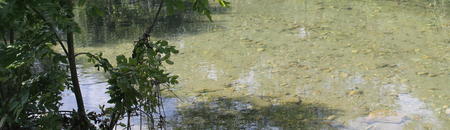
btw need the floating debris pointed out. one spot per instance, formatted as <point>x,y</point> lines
<point>332,117</point>
<point>432,75</point>
<point>344,75</point>
<point>260,49</point>
<point>422,73</point>
<point>386,66</point>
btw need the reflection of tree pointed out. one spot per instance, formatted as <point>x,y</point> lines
<point>234,114</point>
<point>124,19</point>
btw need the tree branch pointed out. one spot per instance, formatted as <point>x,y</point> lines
<point>149,30</point>
<point>83,53</point>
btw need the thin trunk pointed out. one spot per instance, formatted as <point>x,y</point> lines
<point>83,121</point>
<point>112,124</point>
<point>114,119</point>
<point>150,29</point>
<point>11,36</point>
<point>128,120</point>
<point>76,85</point>
<point>140,121</point>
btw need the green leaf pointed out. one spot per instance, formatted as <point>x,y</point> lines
<point>81,2</point>
<point>121,59</point>
<point>173,6</point>
<point>95,11</point>
<point>169,62</point>
<point>224,3</point>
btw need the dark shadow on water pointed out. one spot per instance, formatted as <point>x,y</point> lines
<point>226,113</point>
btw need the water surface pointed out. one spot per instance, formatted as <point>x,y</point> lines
<point>322,64</point>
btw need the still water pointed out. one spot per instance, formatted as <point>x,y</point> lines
<point>304,64</point>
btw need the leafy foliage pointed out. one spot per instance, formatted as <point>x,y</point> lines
<point>33,74</point>
<point>135,81</point>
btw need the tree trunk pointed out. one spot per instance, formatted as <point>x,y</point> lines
<point>83,121</point>
<point>76,85</point>
<point>128,120</point>
<point>11,36</point>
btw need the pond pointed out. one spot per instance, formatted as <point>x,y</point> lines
<point>322,64</point>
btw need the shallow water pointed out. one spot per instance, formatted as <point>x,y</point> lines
<point>93,89</point>
<point>274,64</point>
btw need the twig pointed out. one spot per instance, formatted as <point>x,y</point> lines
<point>176,96</point>
<point>82,53</point>
<point>147,114</point>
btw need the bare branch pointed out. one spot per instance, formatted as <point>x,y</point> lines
<point>82,53</point>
